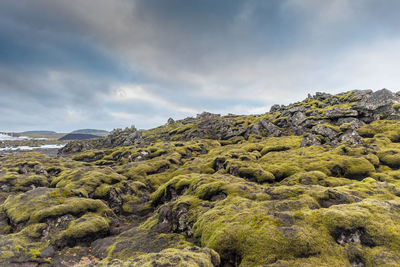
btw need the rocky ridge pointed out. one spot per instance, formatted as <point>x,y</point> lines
<point>318,118</point>
<point>314,183</point>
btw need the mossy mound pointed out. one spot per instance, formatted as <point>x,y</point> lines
<point>22,247</point>
<point>63,219</point>
<point>89,182</point>
<point>140,241</point>
<point>192,256</point>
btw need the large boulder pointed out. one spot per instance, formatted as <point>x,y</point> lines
<point>378,106</point>
<point>379,99</point>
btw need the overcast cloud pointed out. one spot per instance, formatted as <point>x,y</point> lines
<point>71,64</point>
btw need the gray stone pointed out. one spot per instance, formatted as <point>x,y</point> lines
<point>297,109</point>
<point>355,123</point>
<point>48,252</point>
<point>270,127</point>
<point>207,116</point>
<point>275,108</point>
<point>379,99</point>
<point>351,137</point>
<point>173,220</point>
<point>310,140</point>
<point>298,118</point>
<point>358,95</point>
<point>170,121</point>
<point>340,113</point>
<point>325,131</point>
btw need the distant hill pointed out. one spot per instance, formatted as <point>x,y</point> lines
<point>78,136</point>
<point>91,131</point>
<point>39,132</point>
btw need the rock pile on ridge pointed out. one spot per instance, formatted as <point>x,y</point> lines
<point>322,118</point>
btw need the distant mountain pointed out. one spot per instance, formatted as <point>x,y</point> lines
<point>78,136</point>
<point>91,131</point>
<point>39,132</point>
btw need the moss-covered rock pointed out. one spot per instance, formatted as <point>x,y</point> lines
<point>390,157</point>
<point>192,256</point>
<point>230,190</point>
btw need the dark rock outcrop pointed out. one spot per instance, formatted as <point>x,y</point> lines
<point>78,136</point>
<point>118,137</point>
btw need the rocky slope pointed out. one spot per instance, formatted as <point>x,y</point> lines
<point>315,183</point>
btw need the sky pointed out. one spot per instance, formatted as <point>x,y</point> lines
<point>105,64</point>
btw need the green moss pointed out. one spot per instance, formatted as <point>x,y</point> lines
<point>22,246</point>
<point>396,106</point>
<point>312,178</point>
<point>18,183</point>
<point>207,190</point>
<point>329,125</point>
<point>191,256</point>
<point>89,156</point>
<point>356,168</point>
<point>258,201</point>
<point>182,129</point>
<point>178,183</point>
<point>87,225</point>
<point>71,206</point>
<point>87,181</point>
<point>19,208</point>
<point>259,175</point>
<point>394,136</point>
<point>38,204</point>
<point>231,141</point>
<point>248,233</point>
<point>390,157</point>
<point>366,131</point>
<point>139,241</point>
<point>138,171</point>
<point>283,170</point>
<point>34,252</point>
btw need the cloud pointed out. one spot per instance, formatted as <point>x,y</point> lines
<point>128,93</point>
<point>103,64</point>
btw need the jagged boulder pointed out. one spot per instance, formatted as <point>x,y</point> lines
<point>327,132</point>
<point>173,220</point>
<point>170,121</point>
<point>358,95</point>
<point>275,108</point>
<point>379,99</point>
<point>265,127</point>
<point>310,140</point>
<point>351,137</point>
<point>207,116</point>
<point>354,123</point>
<point>340,113</point>
<point>378,105</point>
<point>298,118</point>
